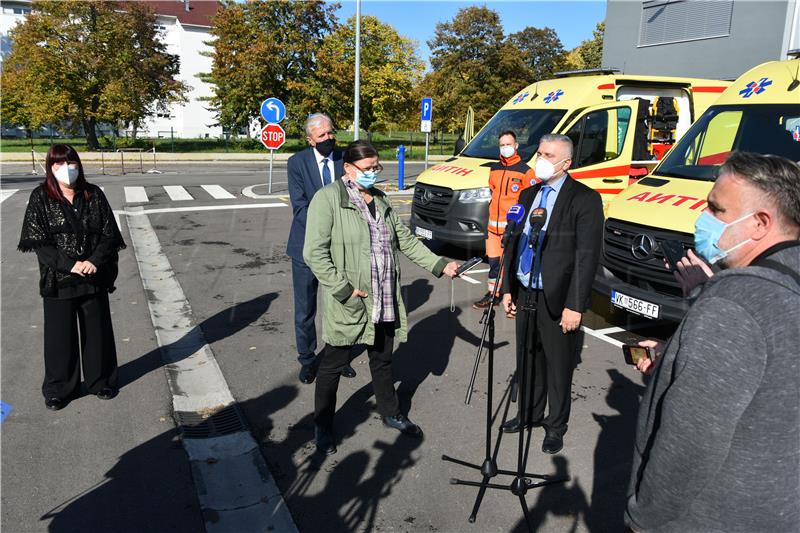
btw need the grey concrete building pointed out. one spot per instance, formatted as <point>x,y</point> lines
<point>701,38</point>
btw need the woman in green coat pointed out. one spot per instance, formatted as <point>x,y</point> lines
<point>353,237</point>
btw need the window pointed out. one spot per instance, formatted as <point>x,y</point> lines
<point>764,129</point>
<point>591,138</point>
<point>675,21</point>
<point>528,124</point>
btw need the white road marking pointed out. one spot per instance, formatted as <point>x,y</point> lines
<point>135,195</point>
<point>139,212</point>
<point>234,485</point>
<point>606,331</point>
<point>218,193</point>
<point>469,279</point>
<point>602,337</point>
<point>177,193</point>
<point>5,194</point>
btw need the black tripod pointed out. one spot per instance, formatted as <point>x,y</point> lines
<point>523,481</point>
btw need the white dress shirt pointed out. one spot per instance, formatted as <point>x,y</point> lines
<point>319,166</point>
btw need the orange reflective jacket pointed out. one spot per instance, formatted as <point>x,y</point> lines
<point>507,178</point>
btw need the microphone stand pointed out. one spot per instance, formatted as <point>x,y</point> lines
<point>522,480</point>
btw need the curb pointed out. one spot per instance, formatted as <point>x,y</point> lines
<point>167,157</point>
<point>234,487</point>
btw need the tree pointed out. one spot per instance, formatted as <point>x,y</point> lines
<point>390,69</point>
<point>264,49</point>
<point>88,62</point>
<point>474,65</point>
<point>542,51</point>
<point>589,54</point>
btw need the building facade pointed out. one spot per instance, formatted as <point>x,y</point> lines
<point>185,27</point>
<point>701,38</point>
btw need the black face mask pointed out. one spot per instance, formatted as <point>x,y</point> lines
<point>325,147</point>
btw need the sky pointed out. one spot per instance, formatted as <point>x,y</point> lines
<point>572,20</point>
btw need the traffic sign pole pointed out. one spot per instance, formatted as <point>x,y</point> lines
<point>271,157</point>
<point>426,148</point>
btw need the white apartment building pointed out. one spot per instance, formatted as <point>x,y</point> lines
<point>186,26</point>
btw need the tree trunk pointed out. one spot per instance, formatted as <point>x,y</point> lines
<point>91,134</point>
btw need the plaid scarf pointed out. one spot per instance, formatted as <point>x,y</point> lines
<point>381,259</point>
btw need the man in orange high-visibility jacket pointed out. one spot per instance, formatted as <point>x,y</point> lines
<point>507,178</point>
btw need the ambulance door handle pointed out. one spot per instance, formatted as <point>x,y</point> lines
<point>612,180</point>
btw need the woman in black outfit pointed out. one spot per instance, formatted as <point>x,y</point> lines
<point>71,227</point>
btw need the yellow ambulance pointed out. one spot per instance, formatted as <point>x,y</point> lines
<point>620,124</point>
<point>759,112</point>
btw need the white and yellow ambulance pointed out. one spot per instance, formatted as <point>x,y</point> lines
<point>620,124</point>
<point>759,112</point>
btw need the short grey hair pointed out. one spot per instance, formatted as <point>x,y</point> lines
<point>316,119</point>
<point>555,138</point>
<point>776,177</point>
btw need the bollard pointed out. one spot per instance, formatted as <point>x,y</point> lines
<point>401,166</point>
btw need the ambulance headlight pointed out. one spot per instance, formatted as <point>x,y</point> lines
<point>472,196</point>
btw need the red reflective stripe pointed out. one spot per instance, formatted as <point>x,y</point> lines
<point>606,86</point>
<point>609,191</point>
<point>622,170</point>
<point>709,89</point>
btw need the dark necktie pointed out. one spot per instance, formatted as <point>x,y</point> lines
<point>527,253</point>
<point>326,172</point>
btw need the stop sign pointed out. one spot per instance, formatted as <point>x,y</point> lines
<point>273,136</point>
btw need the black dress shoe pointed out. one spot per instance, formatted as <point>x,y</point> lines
<point>308,373</point>
<point>54,404</point>
<point>552,443</point>
<point>515,426</point>
<point>403,424</point>
<point>348,372</point>
<point>106,393</point>
<point>324,441</point>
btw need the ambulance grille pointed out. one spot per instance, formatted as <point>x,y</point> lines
<point>432,202</point>
<point>646,271</point>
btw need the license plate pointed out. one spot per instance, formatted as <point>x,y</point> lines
<point>635,305</point>
<point>424,233</point>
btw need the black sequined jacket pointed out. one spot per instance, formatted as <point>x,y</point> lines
<point>62,233</point>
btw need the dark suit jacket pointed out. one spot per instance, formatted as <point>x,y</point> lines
<point>304,181</point>
<point>570,251</point>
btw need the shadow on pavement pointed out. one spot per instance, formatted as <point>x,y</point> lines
<point>143,491</point>
<point>219,326</point>
<point>613,455</point>
<point>561,499</point>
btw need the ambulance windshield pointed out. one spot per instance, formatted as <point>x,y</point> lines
<point>528,125</point>
<point>764,129</point>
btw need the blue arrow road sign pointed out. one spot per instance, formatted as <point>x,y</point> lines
<point>273,110</point>
<point>427,108</point>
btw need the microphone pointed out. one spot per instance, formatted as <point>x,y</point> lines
<point>537,220</point>
<point>515,215</point>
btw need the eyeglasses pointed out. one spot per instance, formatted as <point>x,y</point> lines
<point>376,168</point>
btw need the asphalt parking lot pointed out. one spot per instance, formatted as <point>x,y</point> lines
<point>228,256</point>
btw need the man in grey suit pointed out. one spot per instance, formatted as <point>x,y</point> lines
<point>309,170</point>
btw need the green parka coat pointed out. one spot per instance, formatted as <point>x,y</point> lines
<point>337,250</point>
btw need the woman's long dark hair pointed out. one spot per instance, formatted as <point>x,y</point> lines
<point>62,153</point>
<point>358,150</point>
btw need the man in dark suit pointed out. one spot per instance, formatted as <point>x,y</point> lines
<point>555,288</point>
<point>309,170</point>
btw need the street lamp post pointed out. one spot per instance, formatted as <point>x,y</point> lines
<point>356,118</point>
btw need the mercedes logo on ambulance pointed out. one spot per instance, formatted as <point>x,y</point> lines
<point>642,246</point>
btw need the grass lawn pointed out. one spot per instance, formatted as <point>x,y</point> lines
<point>385,143</point>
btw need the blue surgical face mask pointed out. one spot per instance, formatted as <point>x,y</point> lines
<point>366,179</point>
<point>708,230</point>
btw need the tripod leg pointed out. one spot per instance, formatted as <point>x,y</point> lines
<point>526,513</point>
<point>478,500</point>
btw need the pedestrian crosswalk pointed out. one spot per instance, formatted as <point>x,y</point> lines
<point>5,194</point>
<point>176,193</point>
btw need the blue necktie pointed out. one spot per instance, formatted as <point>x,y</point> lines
<point>326,172</point>
<point>527,252</point>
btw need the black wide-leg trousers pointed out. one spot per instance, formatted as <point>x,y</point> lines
<point>78,332</point>
<point>334,358</point>
<point>550,363</point>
